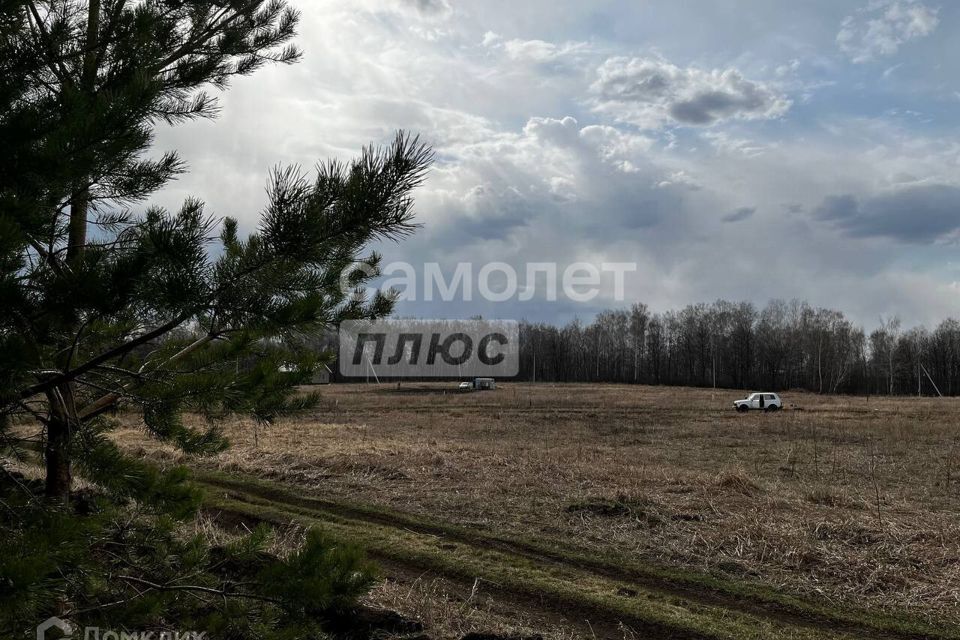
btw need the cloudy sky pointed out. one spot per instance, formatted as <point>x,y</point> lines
<point>735,149</point>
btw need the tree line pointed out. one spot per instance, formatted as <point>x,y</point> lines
<point>784,345</point>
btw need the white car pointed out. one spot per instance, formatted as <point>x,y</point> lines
<point>466,386</point>
<point>765,401</point>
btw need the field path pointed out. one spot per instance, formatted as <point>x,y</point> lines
<point>558,583</point>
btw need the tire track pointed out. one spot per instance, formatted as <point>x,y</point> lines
<point>256,491</point>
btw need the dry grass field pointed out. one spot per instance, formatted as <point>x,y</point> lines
<point>848,501</point>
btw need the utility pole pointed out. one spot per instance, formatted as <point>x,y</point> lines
<point>935,387</point>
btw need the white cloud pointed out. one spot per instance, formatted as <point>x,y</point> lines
<point>562,131</point>
<point>726,143</point>
<point>651,93</point>
<point>557,190</point>
<point>534,51</point>
<point>430,8</point>
<point>514,185</point>
<point>880,28</point>
<point>787,69</point>
<point>539,50</point>
<point>603,141</point>
<point>490,39</point>
<point>889,71</point>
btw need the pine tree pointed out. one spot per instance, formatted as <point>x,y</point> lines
<point>161,311</point>
<point>134,566</point>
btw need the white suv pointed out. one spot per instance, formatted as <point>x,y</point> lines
<point>765,401</point>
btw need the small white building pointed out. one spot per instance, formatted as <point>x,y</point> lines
<point>482,384</point>
<point>320,376</point>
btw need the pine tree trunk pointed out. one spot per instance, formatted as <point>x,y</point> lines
<point>77,239</point>
<point>80,200</point>
<point>58,461</point>
<point>57,452</point>
<point>63,415</point>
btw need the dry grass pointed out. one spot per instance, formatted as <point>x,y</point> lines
<point>282,542</point>
<point>851,498</point>
<point>446,612</point>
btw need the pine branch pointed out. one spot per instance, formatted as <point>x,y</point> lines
<point>116,352</point>
<point>201,589</point>
<point>62,75</point>
<point>104,402</point>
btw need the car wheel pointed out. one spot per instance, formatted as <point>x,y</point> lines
<point>742,408</point>
<point>772,408</point>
